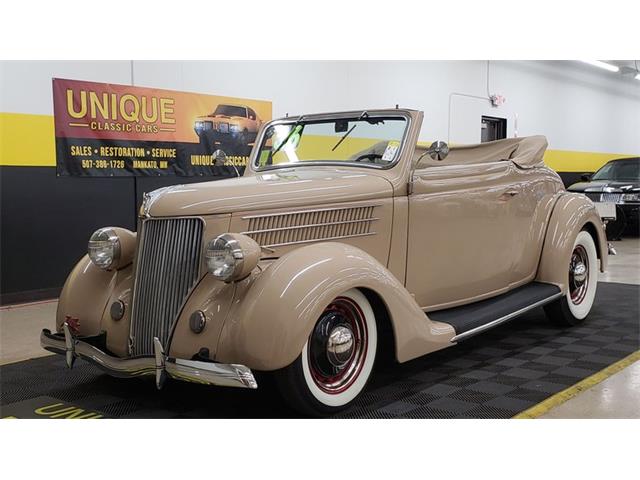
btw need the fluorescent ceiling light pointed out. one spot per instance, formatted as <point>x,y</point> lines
<point>605,65</point>
<point>638,76</point>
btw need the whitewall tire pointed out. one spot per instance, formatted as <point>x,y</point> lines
<point>336,360</point>
<point>574,307</point>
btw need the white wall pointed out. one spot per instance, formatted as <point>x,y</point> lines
<point>576,106</point>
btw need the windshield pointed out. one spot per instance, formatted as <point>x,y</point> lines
<point>364,140</point>
<point>620,171</point>
<point>230,111</point>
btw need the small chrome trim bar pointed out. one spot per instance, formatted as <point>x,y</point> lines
<point>158,365</point>
<point>312,210</point>
<point>506,318</point>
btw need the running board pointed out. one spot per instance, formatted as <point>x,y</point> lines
<point>474,318</point>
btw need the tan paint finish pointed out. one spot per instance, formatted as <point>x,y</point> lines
<point>84,296</point>
<point>128,243</point>
<point>118,330</point>
<point>273,313</point>
<point>376,244</point>
<point>213,298</point>
<point>570,215</point>
<point>302,187</point>
<point>461,235</point>
<point>397,264</point>
<point>505,207</point>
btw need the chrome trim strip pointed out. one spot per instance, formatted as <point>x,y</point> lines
<point>316,240</point>
<point>329,209</point>
<point>209,373</point>
<point>296,227</point>
<point>498,321</point>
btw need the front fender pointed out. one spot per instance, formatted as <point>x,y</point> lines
<point>273,313</point>
<point>85,295</point>
<point>572,213</point>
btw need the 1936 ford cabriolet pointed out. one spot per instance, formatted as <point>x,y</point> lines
<point>342,235</point>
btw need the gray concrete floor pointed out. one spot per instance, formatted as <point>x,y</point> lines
<point>619,395</point>
<point>616,397</point>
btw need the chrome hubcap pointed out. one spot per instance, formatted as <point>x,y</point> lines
<point>578,275</point>
<point>340,346</point>
<point>337,347</point>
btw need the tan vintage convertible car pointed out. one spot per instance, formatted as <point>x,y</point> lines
<point>342,236</point>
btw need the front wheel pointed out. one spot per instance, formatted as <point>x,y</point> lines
<point>336,360</point>
<point>573,308</point>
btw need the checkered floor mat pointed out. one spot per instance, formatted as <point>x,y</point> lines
<point>494,375</point>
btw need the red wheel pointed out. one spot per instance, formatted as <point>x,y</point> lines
<point>337,346</point>
<point>337,359</point>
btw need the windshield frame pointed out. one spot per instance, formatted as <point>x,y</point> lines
<point>352,115</point>
<point>612,164</point>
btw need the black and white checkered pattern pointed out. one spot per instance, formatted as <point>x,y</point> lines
<point>494,375</point>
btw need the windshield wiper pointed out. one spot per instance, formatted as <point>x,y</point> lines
<point>364,116</point>
<point>289,135</point>
<point>348,132</point>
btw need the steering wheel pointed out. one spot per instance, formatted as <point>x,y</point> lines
<point>370,156</point>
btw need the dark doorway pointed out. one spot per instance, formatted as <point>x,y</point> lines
<point>493,128</point>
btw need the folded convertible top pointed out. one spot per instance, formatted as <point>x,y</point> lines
<point>526,152</point>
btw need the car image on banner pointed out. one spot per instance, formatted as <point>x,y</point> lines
<point>233,128</point>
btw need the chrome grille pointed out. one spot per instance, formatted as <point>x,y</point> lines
<point>611,197</point>
<point>274,230</point>
<point>167,268</point>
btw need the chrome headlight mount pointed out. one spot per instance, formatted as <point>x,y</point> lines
<point>231,256</point>
<point>112,248</point>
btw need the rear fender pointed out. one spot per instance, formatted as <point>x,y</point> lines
<point>572,213</point>
<point>274,311</point>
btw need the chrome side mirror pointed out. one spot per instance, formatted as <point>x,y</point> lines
<point>438,150</point>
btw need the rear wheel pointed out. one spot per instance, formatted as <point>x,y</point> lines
<point>574,307</point>
<point>336,360</point>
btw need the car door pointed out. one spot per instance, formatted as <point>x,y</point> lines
<point>459,242</point>
<point>531,208</point>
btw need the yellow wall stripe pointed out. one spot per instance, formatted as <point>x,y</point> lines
<point>567,161</point>
<point>567,394</point>
<point>29,141</point>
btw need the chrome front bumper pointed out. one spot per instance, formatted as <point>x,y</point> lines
<point>160,365</point>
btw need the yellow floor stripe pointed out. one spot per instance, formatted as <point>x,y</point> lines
<point>567,394</point>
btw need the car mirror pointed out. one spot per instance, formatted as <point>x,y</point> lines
<point>438,150</point>
<point>585,177</point>
<point>341,126</point>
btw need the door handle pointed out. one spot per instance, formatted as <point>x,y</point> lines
<point>508,194</point>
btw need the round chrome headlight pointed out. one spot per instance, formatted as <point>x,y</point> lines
<point>104,248</point>
<point>111,247</point>
<point>232,256</point>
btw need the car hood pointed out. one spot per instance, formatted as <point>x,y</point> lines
<point>297,187</point>
<point>607,186</point>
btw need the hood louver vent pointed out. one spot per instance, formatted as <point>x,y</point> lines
<point>280,229</point>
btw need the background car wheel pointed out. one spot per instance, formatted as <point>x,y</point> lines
<point>336,360</point>
<point>573,308</point>
<point>616,228</point>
